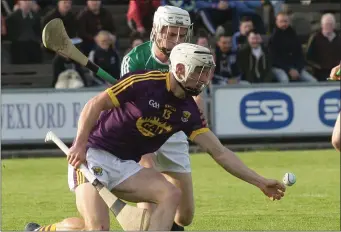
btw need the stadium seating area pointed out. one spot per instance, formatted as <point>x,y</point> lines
<point>305,20</point>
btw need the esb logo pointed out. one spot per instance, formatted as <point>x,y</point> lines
<point>266,110</point>
<point>329,107</point>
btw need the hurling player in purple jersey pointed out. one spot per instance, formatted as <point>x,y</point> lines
<point>136,116</point>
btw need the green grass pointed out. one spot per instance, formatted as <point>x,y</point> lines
<point>36,190</point>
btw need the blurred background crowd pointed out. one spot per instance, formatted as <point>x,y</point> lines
<point>254,41</point>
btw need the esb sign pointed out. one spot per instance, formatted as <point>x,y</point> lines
<point>266,110</point>
<point>329,107</point>
<point>246,112</point>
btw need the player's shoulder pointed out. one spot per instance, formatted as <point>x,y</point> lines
<point>148,80</point>
<point>140,50</point>
<point>145,75</point>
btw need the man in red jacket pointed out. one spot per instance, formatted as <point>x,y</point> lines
<point>140,14</point>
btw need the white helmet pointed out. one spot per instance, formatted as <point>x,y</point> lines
<point>195,58</point>
<point>168,16</point>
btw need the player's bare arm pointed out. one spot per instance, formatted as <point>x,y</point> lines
<point>86,122</point>
<point>231,163</point>
<point>336,137</point>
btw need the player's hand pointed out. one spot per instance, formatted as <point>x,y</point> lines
<point>273,189</point>
<point>333,74</point>
<point>77,155</point>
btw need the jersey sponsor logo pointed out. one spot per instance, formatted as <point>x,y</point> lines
<point>329,107</point>
<point>266,110</point>
<point>154,104</point>
<point>98,171</point>
<point>152,126</point>
<point>185,116</point>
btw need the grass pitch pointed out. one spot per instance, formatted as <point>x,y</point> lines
<point>36,190</point>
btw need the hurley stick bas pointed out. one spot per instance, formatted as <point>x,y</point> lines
<point>129,217</point>
<point>55,38</point>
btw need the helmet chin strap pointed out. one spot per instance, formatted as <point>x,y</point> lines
<point>189,91</point>
<point>163,50</point>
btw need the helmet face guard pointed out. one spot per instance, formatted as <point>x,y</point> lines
<point>198,79</point>
<point>196,68</point>
<point>171,26</point>
<point>172,36</point>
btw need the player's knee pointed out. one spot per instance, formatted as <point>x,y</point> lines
<point>185,218</point>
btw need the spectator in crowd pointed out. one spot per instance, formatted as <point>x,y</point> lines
<point>140,15</point>
<point>34,6</point>
<point>23,28</point>
<point>202,40</point>
<point>254,60</point>
<point>227,71</point>
<point>45,5</point>
<point>213,13</point>
<point>62,64</point>
<point>63,11</point>
<point>239,38</point>
<point>324,48</point>
<point>69,79</point>
<point>5,57</point>
<point>105,55</point>
<point>3,27</point>
<point>278,6</point>
<point>286,52</point>
<point>6,8</point>
<point>91,20</point>
<point>241,9</point>
<point>135,40</point>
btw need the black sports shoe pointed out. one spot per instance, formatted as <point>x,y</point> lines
<point>176,227</point>
<point>31,226</point>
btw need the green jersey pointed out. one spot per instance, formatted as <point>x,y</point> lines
<point>142,58</point>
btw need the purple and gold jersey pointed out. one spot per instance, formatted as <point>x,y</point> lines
<point>146,115</point>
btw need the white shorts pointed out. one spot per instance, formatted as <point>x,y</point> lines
<point>173,156</point>
<point>109,170</point>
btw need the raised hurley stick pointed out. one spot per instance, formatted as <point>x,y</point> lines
<point>129,217</point>
<point>55,38</point>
